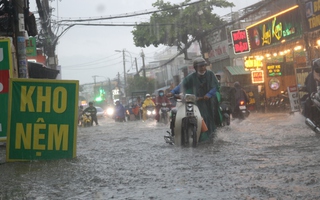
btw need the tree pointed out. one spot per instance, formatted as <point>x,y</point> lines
<point>136,83</point>
<point>178,24</point>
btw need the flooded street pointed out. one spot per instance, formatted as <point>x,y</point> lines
<point>267,156</point>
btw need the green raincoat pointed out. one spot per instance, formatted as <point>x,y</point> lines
<point>201,85</point>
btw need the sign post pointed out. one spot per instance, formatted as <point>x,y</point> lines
<point>42,119</point>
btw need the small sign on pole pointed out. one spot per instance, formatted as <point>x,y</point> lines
<point>294,98</point>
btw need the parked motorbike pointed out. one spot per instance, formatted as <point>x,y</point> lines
<point>164,113</point>
<point>225,108</point>
<point>86,119</point>
<point>185,123</point>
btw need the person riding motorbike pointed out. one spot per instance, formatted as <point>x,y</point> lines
<point>202,83</point>
<point>93,111</point>
<point>311,83</point>
<point>239,95</point>
<point>147,102</point>
<point>119,112</point>
<point>161,98</point>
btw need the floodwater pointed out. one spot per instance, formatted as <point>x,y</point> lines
<point>270,156</point>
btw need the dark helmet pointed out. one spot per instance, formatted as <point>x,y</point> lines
<point>90,103</point>
<point>81,106</point>
<point>199,62</point>
<point>236,84</point>
<point>316,65</point>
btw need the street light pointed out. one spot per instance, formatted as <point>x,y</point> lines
<point>124,68</point>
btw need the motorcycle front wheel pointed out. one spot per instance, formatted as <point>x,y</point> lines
<point>193,130</point>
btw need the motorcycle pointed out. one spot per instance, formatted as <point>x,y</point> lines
<point>86,119</point>
<point>241,111</point>
<point>313,118</point>
<point>186,123</point>
<point>164,113</point>
<point>225,108</point>
<point>151,112</point>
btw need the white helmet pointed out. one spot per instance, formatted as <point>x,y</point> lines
<point>148,95</point>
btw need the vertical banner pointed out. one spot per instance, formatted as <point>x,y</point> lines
<point>5,74</point>
<point>42,122</point>
<point>294,98</point>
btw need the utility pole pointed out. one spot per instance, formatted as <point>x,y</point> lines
<point>21,40</point>
<point>135,59</point>
<point>143,65</point>
<point>124,71</point>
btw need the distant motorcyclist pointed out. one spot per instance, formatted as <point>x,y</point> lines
<point>239,95</point>
<point>147,102</point>
<point>93,111</point>
<point>161,98</point>
<point>311,83</point>
<point>119,112</point>
<point>202,83</point>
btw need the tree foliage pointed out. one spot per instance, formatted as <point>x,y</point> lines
<point>178,24</point>
<point>138,83</point>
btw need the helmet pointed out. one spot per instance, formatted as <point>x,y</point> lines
<point>81,106</point>
<point>236,84</point>
<point>148,95</point>
<point>316,65</point>
<point>199,62</point>
<point>90,103</point>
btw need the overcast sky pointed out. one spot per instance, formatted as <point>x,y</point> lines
<point>86,51</point>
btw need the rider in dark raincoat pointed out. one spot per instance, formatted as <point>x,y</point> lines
<point>202,83</point>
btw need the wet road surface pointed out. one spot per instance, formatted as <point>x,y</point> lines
<point>267,156</point>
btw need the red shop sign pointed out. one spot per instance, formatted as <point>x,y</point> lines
<point>240,41</point>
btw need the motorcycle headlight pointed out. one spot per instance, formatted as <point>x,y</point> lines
<point>110,111</point>
<point>189,107</point>
<point>154,112</point>
<point>149,112</point>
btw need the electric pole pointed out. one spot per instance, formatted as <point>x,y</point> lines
<point>143,65</point>
<point>135,59</point>
<point>21,40</point>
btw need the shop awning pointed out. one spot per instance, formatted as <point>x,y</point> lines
<point>37,70</point>
<point>237,70</point>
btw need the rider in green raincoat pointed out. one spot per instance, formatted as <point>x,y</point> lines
<point>203,83</point>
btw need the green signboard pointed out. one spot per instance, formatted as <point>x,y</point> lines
<point>5,74</point>
<point>31,49</point>
<point>42,119</point>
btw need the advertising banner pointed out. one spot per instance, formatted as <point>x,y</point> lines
<point>42,123</point>
<point>5,74</point>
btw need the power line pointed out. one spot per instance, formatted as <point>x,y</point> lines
<point>105,66</point>
<point>92,62</point>
<point>132,14</point>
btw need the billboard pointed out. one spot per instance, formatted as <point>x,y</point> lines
<point>275,29</point>
<point>5,74</point>
<point>42,119</point>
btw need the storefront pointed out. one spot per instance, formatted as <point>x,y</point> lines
<point>276,50</point>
